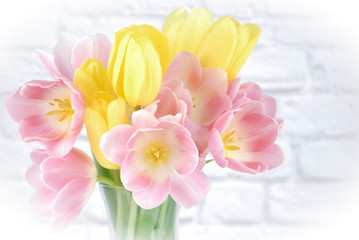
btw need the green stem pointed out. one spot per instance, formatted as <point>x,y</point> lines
<point>132,220</point>
<point>107,181</point>
<point>161,218</point>
<point>210,160</point>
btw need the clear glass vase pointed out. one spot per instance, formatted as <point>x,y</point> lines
<point>128,221</point>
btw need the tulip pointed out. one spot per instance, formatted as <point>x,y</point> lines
<point>68,57</point>
<point>243,139</point>
<point>104,113</point>
<point>241,93</point>
<point>226,44</point>
<point>50,112</point>
<point>158,158</point>
<point>138,60</point>
<point>90,78</point>
<point>104,110</point>
<point>185,31</point>
<point>63,185</point>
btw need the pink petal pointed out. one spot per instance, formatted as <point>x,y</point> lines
<point>62,59</point>
<point>19,107</point>
<point>49,63</point>
<point>33,176</point>
<point>252,90</point>
<point>153,195</point>
<point>57,172</point>
<point>168,104</point>
<point>63,221</point>
<point>270,105</point>
<point>222,121</point>
<point>216,148</point>
<point>199,134</point>
<point>205,114</point>
<point>186,67</point>
<point>73,196</point>
<point>41,202</point>
<point>61,146</point>
<point>258,131</point>
<point>95,47</point>
<point>133,174</point>
<point>114,143</point>
<point>143,119</point>
<point>257,162</point>
<point>233,88</point>
<point>189,190</point>
<point>38,155</point>
<point>39,128</point>
<point>184,153</point>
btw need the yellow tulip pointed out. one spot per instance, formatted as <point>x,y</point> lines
<point>138,60</point>
<point>90,78</point>
<point>104,113</point>
<point>226,44</point>
<point>104,110</point>
<point>185,31</point>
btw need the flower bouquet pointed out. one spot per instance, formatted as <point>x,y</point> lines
<point>155,106</point>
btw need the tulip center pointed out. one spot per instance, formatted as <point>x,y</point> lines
<point>157,154</point>
<point>229,141</point>
<point>63,109</point>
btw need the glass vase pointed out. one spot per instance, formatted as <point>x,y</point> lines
<point>128,221</point>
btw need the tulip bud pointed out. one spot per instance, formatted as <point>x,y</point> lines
<point>138,60</point>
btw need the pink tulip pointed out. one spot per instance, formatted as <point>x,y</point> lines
<point>207,87</point>
<point>68,57</point>
<point>243,139</point>
<point>63,185</point>
<point>203,90</point>
<point>240,93</point>
<point>157,158</point>
<point>50,112</point>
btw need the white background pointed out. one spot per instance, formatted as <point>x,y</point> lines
<point>306,57</point>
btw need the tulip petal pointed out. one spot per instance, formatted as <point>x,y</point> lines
<point>133,173</point>
<point>216,148</point>
<point>95,127</point>
<point>114,143</point>
<point>153,195</point>
<point>41,202</point>
<point>218,44</point>
<point>73,196</point>
<point>189,190</point>
<point>62,59</point>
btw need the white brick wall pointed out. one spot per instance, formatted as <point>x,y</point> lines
<point>304,58</point>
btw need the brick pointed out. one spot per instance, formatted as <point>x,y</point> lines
<point>17,160</point>
<point>242,9</point>
<point>312,31</point>
<point>233,202</point>
<point>75,27</point>
<point>333,70</point>
<point>33,24</point>
<point>309,203</point>
<point>293,8</point>
<point>335,159</point>
<point>320,115</point>
<point>276,68</point>
<point>20,66</point>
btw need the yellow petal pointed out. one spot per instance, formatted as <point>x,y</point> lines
<point>184,32</point>
<point>96,126</point>
<point>139,58</point>
<point>115,62</point>
<point>218,44</point>
<point>116,113</point>
<point>143,72</point>
<point>247,39</point>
